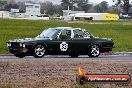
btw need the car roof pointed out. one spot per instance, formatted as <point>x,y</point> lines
<point>70,28</point>
<point>64,27</point>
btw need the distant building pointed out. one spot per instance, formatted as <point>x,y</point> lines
<point>103,16</point>
<point>32,10</point>
<point>32,13</point>
<point>4,14</point>
<point>14,10</point>
<point>14,13</point>
<point>94,16</point>
<point>66,12</point>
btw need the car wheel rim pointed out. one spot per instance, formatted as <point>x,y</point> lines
<point>40,50</point>
<point>95,50</point>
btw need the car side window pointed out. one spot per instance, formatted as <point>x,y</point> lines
<point>80,34</point>
<point>65,34</point>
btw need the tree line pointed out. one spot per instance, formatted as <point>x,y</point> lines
<point>75,5</point>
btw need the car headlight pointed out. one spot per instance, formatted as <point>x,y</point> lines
<point>8,44</point>
<point>20,44</point>
<point>23,45</point>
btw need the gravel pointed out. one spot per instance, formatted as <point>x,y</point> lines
<point>55,74</point>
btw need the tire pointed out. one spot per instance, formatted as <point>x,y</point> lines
<point>19,55</point>
<point>74,56</point>
<point>39,51</point>
<point>94,51</point>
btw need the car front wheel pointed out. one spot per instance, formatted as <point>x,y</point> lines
<point>94,51</point>
<point>39,51</point>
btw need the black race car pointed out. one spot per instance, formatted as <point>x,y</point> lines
<point>61,41</point>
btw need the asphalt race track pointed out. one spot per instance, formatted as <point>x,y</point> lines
<point>58,57</point>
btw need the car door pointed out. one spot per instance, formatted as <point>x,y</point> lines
<point>81,41</point>
<point>62,44</point>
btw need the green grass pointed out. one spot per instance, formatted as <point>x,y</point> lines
<point>14,29</point>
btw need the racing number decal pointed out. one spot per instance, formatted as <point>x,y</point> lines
<point>63,46</point>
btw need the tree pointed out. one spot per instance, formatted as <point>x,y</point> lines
<point>58,10</point>
<point>51,9</point>
<point>21,6</point>
<point>2,4</point>
<point>123,4</point>
<point>126,6</point>
<point>101,7</point>
<point>65,4</point>
<point>76,5</point>
<point>83,5</point>
<point>11,5</point>
<point>98,8</point>
<point>47,7</point>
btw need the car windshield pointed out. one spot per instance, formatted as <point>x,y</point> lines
<point>88,33</point>
<point>49,33</point>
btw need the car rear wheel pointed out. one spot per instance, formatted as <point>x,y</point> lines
<point>94,51</point>
<point>39,51</point>
<point>19,55</point>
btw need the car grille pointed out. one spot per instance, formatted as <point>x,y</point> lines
<point>15,45</point>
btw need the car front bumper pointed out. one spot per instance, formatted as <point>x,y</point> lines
<point>106,49</point>
<point>21,50</point>
<point>15,47</point>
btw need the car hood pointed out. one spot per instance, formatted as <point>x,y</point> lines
<point>104,39</point>
<point>28,39</point>
<point>109,39</point>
